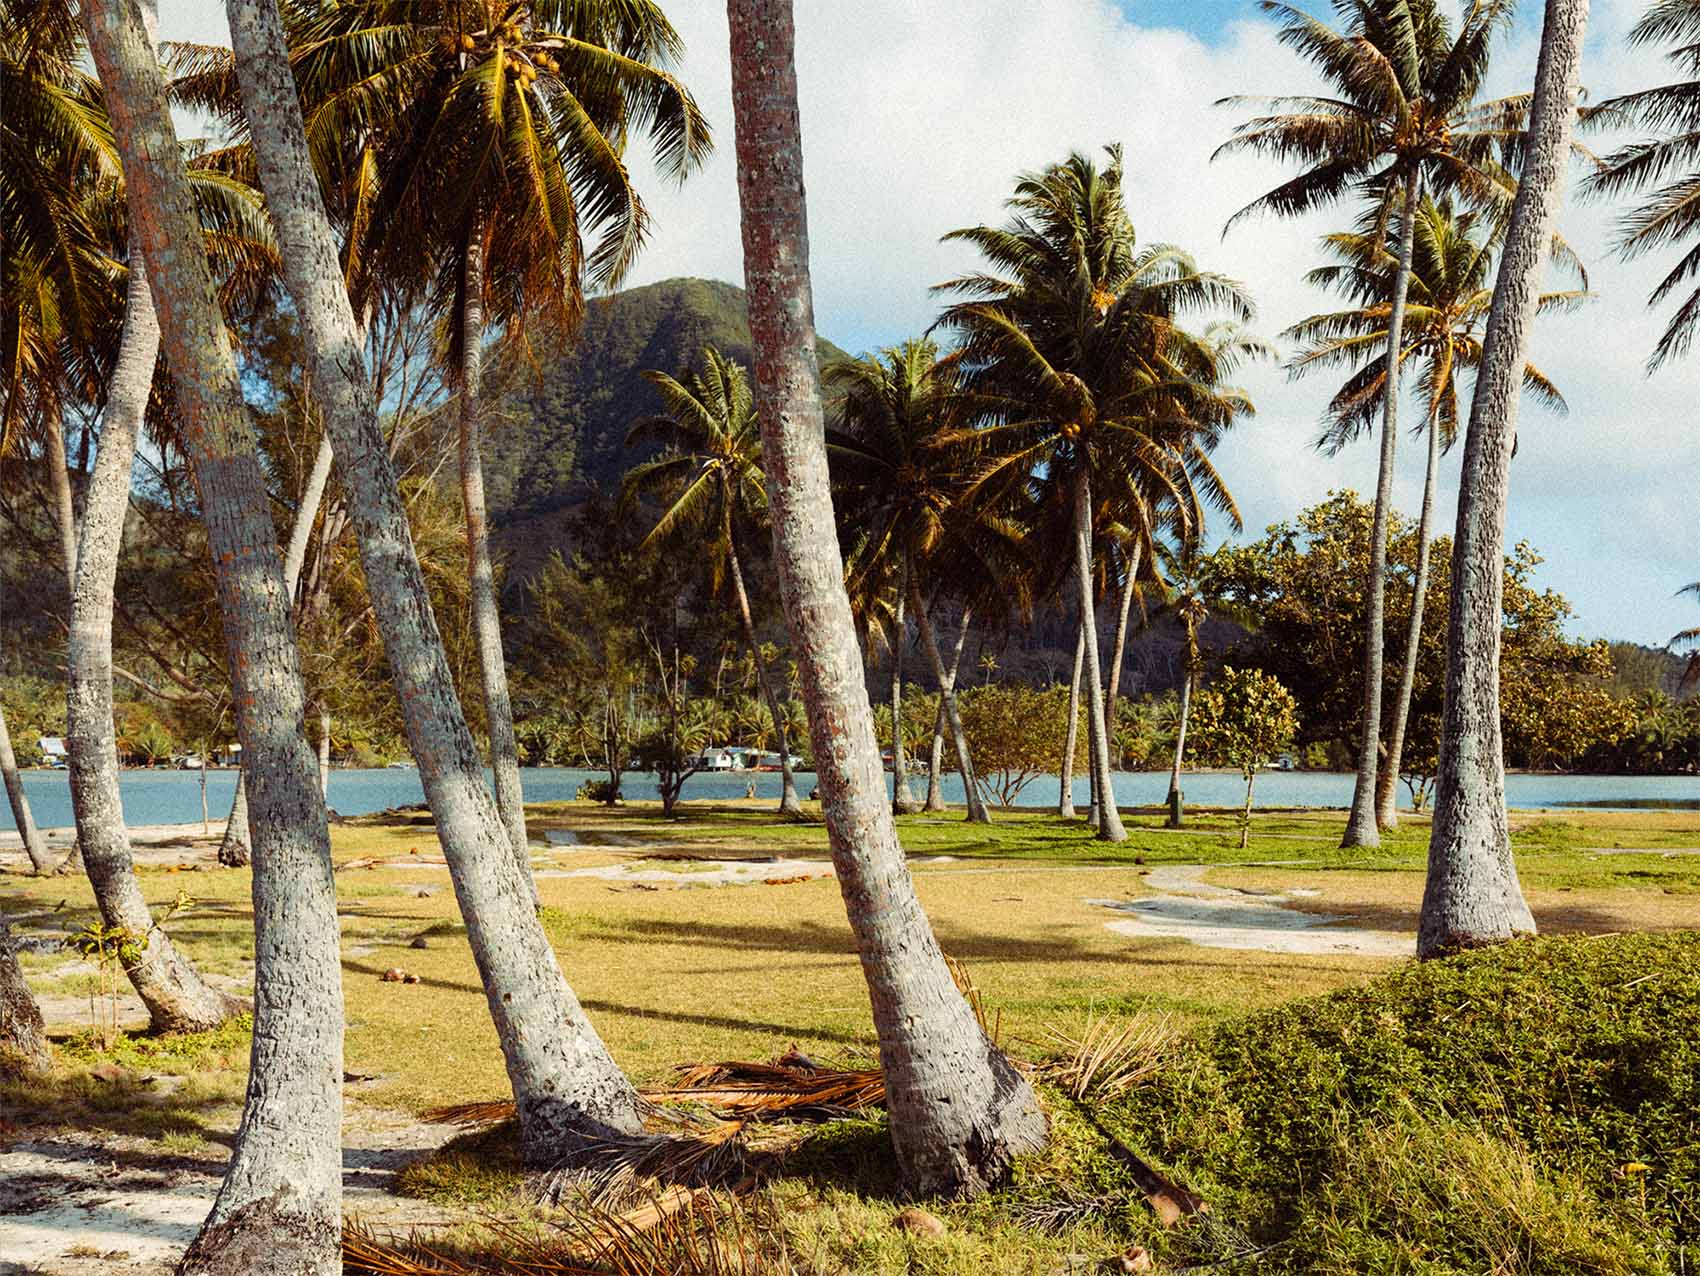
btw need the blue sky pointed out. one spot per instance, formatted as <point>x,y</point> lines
<point>917,117</point>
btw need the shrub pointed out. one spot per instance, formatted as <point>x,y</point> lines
<point>603,791</point>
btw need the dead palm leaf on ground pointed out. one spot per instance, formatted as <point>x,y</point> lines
<point>1105,1057</point>
<point>611,1173</point>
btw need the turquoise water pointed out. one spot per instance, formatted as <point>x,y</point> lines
<point>174,797</point>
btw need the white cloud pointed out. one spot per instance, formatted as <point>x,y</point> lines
<point>917,117</point>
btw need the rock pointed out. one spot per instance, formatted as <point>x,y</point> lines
<point>410,979</point>
<point>392,976</point>
<point>419,941</point>
<point>917,1222</point>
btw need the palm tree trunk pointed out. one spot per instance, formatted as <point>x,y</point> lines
<point>1472,896</point>
<point>1109,816</point>
<point>236,848</point>
<point>1387,783</point>
<point>64,502</point>
<point>1361,827</point>
<point>566,1085</point>
<point>279,1210</point>
<point>789,805</point>
<point>1120,652</point>
<point>902,799</point>
<point>1245,815</point>
<point>935,758</point>
<point>40,860</point>
<point>1187,679</point>
<point>324,753</point>
<point>1071,740</point>
<point>946,678</point>
<point>23,1034</point>
<point>177,998</point>
<point>959,1111</point>
<point>486,617</point>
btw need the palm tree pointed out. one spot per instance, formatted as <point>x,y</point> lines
<point>1663,166</point>
<point>1094,404</point>
<point>1448,295</point>
<point>898,477</point>
<point>493,135</point>
<point>710,479</point>
<point>23,1034</point>
<point>64,180</point>
<point>1689,638</point>
<point>1472,896</point>
<point>566,1085</point>
<point>1404,118</point>
<point>959,1111</point>
<point>282,1196</point>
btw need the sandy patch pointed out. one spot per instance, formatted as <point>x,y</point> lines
<point>1185,906</point>
<point>76,1203</point>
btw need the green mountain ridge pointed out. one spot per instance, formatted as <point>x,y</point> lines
<point>563,432</point>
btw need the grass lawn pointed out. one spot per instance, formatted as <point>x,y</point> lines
<point>681,971</point>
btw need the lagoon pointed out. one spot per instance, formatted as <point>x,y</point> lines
<point>174,797</point>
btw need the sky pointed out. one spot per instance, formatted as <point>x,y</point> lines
<point>918,115</point>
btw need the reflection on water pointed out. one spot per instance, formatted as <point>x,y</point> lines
<point>174,797</point>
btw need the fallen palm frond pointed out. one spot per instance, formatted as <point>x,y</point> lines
<point>1070,1207</point>
<point>473,1116</point>
<point>1105,1058</point>
<point>614,1171</point>
<point>792,1089</point>
<point>680,1232</point>
<point>971,993</point>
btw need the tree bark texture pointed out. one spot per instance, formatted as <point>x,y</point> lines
<point>902,797</point>
<point>34,846</point>
<point>1118,652</point>
<point>282,1192</point>
<point>935,757</point>
<point>1387,782</point>
<point>1472,896</point>
<point>236,848</point>
<point>566,1085</point>
<point>23,1034</point>
<point>1187,680</point>
<point>1361,829</point>
<point>946,678</point>
<point>481,572</point>
<point>1071,739</point>
<point>959,1111</point>
<point>64,501</point>
<point>1104,798</point>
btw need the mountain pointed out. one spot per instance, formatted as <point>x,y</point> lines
<point>564,430</point>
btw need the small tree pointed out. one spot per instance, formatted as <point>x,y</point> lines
<point>1016,734</point>
<point>1246,719</point>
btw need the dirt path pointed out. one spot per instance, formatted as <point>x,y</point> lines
<point>1185,906</point>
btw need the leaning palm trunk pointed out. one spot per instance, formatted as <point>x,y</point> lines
<point>1472,895</point>
<point>1187,679</point>
<point>64,502</point>
<point>935,757</point>
<point>1071,739</point>
<point>1104,796</point>
<point>237,846</point>
<point>946,678</point>
<point>789,805</point>
<point>279,1210</point>
<point>1118,652</point>
<point>486,619</point>
<point>565,1084</point>
<point>902,799</point>
<point>34,846</point>
<point>23,1034</point>
<point>959,1111</point>
<point>1387,784</point>
<point>1361,824</point>
<point>176,997</point>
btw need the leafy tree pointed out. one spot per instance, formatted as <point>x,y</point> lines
<point>1244,719</point>
<point>1401,117</point>
<point>1017,733</point>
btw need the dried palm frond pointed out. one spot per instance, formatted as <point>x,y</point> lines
<point>472,1115</point>
<point>971,993</point>
<point>1070,1207</point>
<point>1104,1057</point>
<point>791,1091</point>
<point>614,1171</point>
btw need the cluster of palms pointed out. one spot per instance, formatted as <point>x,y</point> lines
<point>454,155</point>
